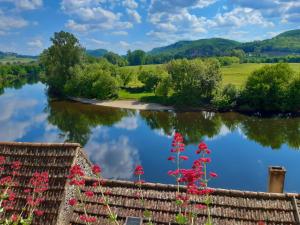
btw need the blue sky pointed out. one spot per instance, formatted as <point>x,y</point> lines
<point>118,25</point>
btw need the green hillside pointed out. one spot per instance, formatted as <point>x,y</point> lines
<point>283,44</point>
<point>203,47</point>
<point>96,52</point>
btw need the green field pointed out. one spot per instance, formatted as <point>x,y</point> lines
<point>16,60</point>
<point>236,74</point>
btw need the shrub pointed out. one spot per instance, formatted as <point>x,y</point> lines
<point>293,98</point>
<point>227,98</point>
<point>164,87</point>
<point>92,81</point>
<point>266,88</point>
<point>151,78</point>
<point>194,81</point>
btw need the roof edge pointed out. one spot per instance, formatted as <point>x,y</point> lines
<point>229,192</point>
<point>31,144</point>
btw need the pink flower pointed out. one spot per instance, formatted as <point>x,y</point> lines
<point>212,174</point>
<point>14,218</point>
<point>183,157</point>
<point>16,165</point>
<point>205,160</point>
<point>38,212</point>
<point>200,206</point>
<point>171,158</point>
<point>89,194</point>
<point>96,169</point>
<point>202,146</point>
<point>72,202</point>
<point>2,160</point>
<point>87,219</point>
<point>139,170</point>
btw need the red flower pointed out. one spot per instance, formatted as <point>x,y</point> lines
<point>2,160</point>
<point>205,160</point>
<point>171,158</point>
<point>16,165</point>
<point>200,206</point>
<point>76,171</point>
<point>89,194</point>
<point>87,219</point>
<point>96,170</point>
<point>72,202</point>
<point>183,157</point>
<point>139,170</point>
<point>213,174</point>
<point>38,212</point>
<point>14,218</point>
<point>39,182</point>
<point>261,223</point>
<point>202,146</point>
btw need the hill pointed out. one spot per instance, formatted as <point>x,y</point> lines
<point>283,44</point>
<point>97,52</point>
<point>202,47</point>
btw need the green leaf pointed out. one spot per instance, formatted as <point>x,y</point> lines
<point>181,219</point>
<point>147,214</point>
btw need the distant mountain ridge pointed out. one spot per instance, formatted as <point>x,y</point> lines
<point>282,44</point>
<point>97,52</point>
<point>16,55</point>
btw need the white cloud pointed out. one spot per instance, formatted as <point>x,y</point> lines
<point>239,17</point>
<point>130,4</point>
<point>36,43</point>
<point>9,22</point>
<point>90,15</point>
<point>117,157</point>
<point>121,32</point>
<point>25,4</point>
<point>124,44</point>
<point>134,15</point>
<point>72,25</point>
<point>128,123</point>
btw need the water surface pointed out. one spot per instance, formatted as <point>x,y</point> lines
<point>243,147</point>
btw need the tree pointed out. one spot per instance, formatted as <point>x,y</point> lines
<point>115,59</point>
<point>151,78</point>
<point>267,88</point>
<point>137,57</point>
<point>195,80</point>
<point>65,52</point>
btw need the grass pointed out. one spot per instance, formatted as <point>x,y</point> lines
<point>131,95</point>
<point>236,74</point>
<point>16,60</point>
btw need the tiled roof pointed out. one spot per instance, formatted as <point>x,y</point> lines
<point>54,158</point>
<point>229,207</point>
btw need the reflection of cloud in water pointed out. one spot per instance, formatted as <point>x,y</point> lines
<point>161,132</point>
<point>224,131</point>
<point>117,157</point>
<point>19,116</point>
<point>128,123</point>
<point>12,129</point>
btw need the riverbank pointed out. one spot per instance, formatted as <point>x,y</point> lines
<point>125,104</point>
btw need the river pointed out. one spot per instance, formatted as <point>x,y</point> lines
<point>242,147</point>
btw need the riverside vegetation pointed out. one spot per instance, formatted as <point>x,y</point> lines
<point>182,82</point>
<point>214,83</point>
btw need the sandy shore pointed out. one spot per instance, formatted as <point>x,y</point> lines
<point>125,104</point>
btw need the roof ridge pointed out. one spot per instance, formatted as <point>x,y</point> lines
<point>216,190</point>
<point>35,144</point>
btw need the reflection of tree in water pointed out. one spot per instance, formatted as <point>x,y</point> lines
<point>16,82</point>
<point>269,132</point>
<point>76,120</point>
<point>194,126</point>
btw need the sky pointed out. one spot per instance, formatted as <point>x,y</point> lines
<point>26,26</point>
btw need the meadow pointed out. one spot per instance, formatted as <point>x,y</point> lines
<point>236,74</point>
<point>13,60</point>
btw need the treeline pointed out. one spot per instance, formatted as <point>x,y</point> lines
<point>139,57</point>
<point>16,75</point>
<point>181,82</point>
